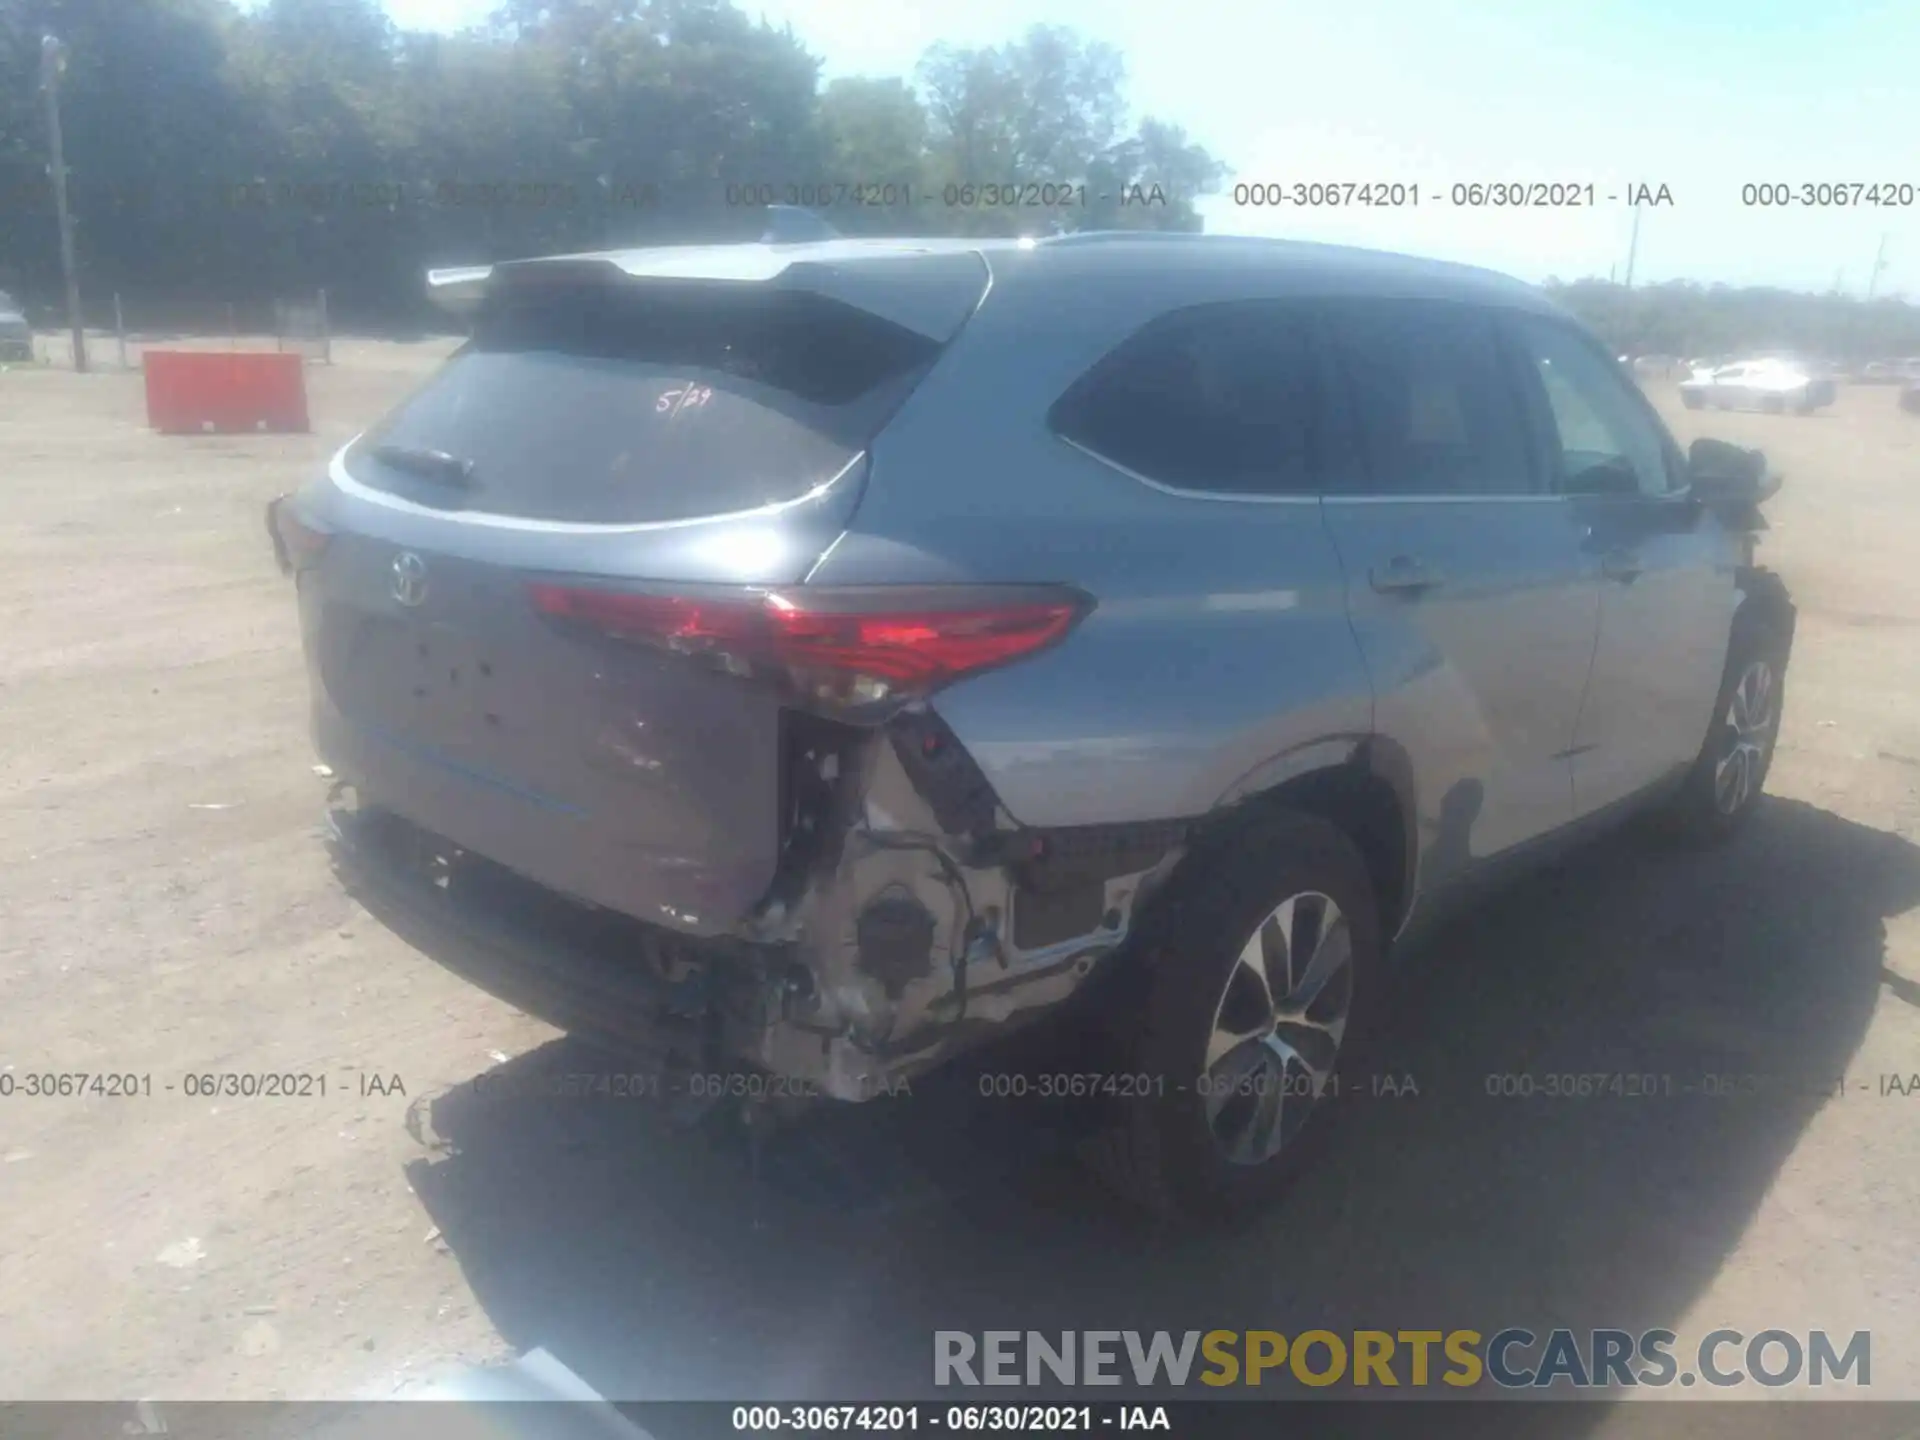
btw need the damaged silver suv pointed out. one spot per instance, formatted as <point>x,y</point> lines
<point>814,659</point>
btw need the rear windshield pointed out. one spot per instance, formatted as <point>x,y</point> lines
<point>624,403</point>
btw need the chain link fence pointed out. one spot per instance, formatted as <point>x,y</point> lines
<point>297,325</point>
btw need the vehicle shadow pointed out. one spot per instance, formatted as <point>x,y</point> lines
<point>658,1264</point>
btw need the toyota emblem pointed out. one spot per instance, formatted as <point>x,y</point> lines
<point>409,583</point>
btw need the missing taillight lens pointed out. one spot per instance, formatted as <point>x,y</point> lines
<point>842,648</point>
<point>297,544</point>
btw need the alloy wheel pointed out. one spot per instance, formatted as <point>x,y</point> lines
<point>1278,1027</point>
<point>1750,717</point>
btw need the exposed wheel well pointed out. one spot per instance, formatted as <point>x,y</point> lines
<point>1352,797</point>
<point>1766,599</point>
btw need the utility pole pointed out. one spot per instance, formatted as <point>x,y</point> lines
<point>1626,338</point>
<point>1879,264</point>
<point>53,60</point>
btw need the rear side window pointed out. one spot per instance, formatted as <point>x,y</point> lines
<point>626,403</point>
<point>1220,398</point>
<point>1436,410</point>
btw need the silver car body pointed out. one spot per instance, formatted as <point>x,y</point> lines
<point>1775,385</point>
<point>16,336</point>
<point>1460,675</point>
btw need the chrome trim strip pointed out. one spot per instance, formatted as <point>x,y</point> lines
<point>1165,489</point>
<point>814,569</point>
<point>986,265</point>
<point>337,473</point>
<point>1443,499</point>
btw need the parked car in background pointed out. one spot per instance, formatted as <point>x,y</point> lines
<point>808,661</point>
<point>1775,386</point>
<point>16,336</point>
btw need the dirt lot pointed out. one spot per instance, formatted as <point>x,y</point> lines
<point>168,912</point>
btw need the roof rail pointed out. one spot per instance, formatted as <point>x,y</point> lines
<point>1090,237</point>
<point>795,225</point>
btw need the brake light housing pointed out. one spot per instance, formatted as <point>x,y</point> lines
<point>849,650</point>
<point>298,544</point>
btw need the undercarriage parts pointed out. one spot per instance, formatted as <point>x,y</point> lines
<point>923,913</point>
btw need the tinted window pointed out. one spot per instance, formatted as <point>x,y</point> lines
<point>1436,409</point>
<point>624,404</point>
<point>1605,442</point>
<point>1219,398</point>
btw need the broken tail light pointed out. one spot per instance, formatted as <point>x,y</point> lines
<point>847,649</point>
<point>297,544</point>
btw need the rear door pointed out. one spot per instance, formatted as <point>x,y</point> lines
<point>690,441</point>
<point>1466,584</point>
<point>1665,567</point>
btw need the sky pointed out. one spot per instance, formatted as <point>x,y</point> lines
<point>1702,97</point>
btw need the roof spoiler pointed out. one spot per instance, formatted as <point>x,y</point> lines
<point>459,290</point>
<point>929,287</point>
<point>462,288</point>
<point>791,224</point>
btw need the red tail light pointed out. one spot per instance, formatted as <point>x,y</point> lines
<point>845,647</point>
<point>297,545</point>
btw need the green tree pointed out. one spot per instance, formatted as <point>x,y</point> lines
<point>1685,319</point>
<point>875,134</point>
<point>221,155</point>
<point>1151,181</point>
<point>1050,108</point>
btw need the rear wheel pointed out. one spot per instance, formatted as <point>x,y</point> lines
<point>1692,399</point>
<point>1261,964</point>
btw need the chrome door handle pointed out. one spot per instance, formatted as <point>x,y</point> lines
<point>1621,565</point>
<point>1403,573</point>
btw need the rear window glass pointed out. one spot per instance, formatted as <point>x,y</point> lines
<point>629,403</point>
<point>1219,398</point>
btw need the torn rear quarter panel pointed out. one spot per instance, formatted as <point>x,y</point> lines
<point>906,894</point>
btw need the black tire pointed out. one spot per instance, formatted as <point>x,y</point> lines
<point>1692,400</point>
<point>1159,1151</point>
<point>1763,636</point>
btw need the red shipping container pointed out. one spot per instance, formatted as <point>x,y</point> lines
<point>194,391</point>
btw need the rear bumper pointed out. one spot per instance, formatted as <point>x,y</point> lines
<point>548,839</point>
<point>581,970</point>
<point>882,957</point>
<point>674,1005</point>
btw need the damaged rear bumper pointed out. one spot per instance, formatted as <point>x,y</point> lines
<point>909,921</point>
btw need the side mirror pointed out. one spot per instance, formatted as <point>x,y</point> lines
<point>1728,477</point>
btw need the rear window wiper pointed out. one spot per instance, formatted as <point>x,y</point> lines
<point>429,464</point>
